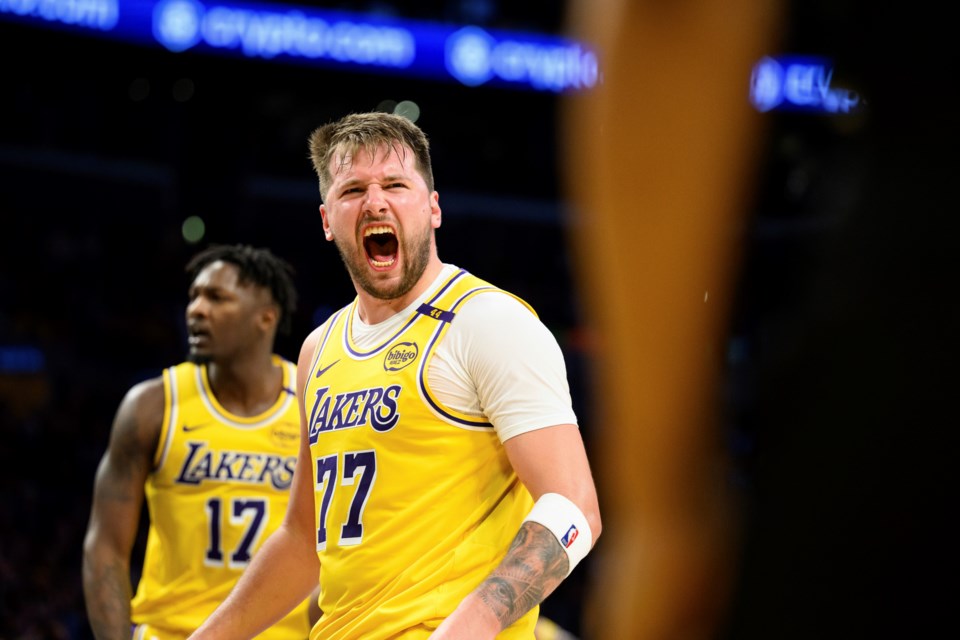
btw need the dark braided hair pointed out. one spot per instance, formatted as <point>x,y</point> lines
<point>257,266</point>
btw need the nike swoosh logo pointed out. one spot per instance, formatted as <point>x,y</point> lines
<point>188,429</point>
<point>324,370</point>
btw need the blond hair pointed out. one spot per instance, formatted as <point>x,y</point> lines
<point>367,132</point>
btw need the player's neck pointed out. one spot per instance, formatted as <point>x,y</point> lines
<point>247,386</point>
<point>375,310</point>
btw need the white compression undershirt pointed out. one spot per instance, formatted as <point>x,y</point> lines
<point>497,360</point>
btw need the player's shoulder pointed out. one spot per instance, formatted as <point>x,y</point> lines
<point>140,414</point>
<point>316,335</point>
<point>309,346</point>
<point>310,343</point>
<point>484,296</point>
<point>495,305</point>
<point>149,395</point>
<point>147,392</point>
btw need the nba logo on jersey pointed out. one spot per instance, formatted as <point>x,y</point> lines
<point>569,536</point>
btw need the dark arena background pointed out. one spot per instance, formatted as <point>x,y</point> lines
<point>120,158</point>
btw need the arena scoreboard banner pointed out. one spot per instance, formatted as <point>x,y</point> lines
<point>470,55</point>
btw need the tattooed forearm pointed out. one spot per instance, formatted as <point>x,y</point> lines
<point>531,570</point>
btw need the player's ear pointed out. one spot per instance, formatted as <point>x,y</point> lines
<point>436,216</point>
<point>328,234</point>
<point>269,317</point>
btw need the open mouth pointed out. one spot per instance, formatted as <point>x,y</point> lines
<point>197,336</point>
<point>380,243</point>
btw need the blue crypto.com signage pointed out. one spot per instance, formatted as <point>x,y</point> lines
<point>285,33</point>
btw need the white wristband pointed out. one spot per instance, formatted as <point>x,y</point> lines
<point>565,521</point>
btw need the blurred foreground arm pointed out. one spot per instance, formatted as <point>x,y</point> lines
<point>672,119</point>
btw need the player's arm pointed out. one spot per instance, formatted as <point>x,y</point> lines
<point>553,465</point>
<point>520,379</point>
<point>118,493</point>
<point>285,569</point>
<point>314,613</point>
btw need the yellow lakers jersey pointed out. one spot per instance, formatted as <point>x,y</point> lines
<point>220,486</point>
<point>415,503</point>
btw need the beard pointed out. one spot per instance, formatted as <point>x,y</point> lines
<point>416,256</point>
